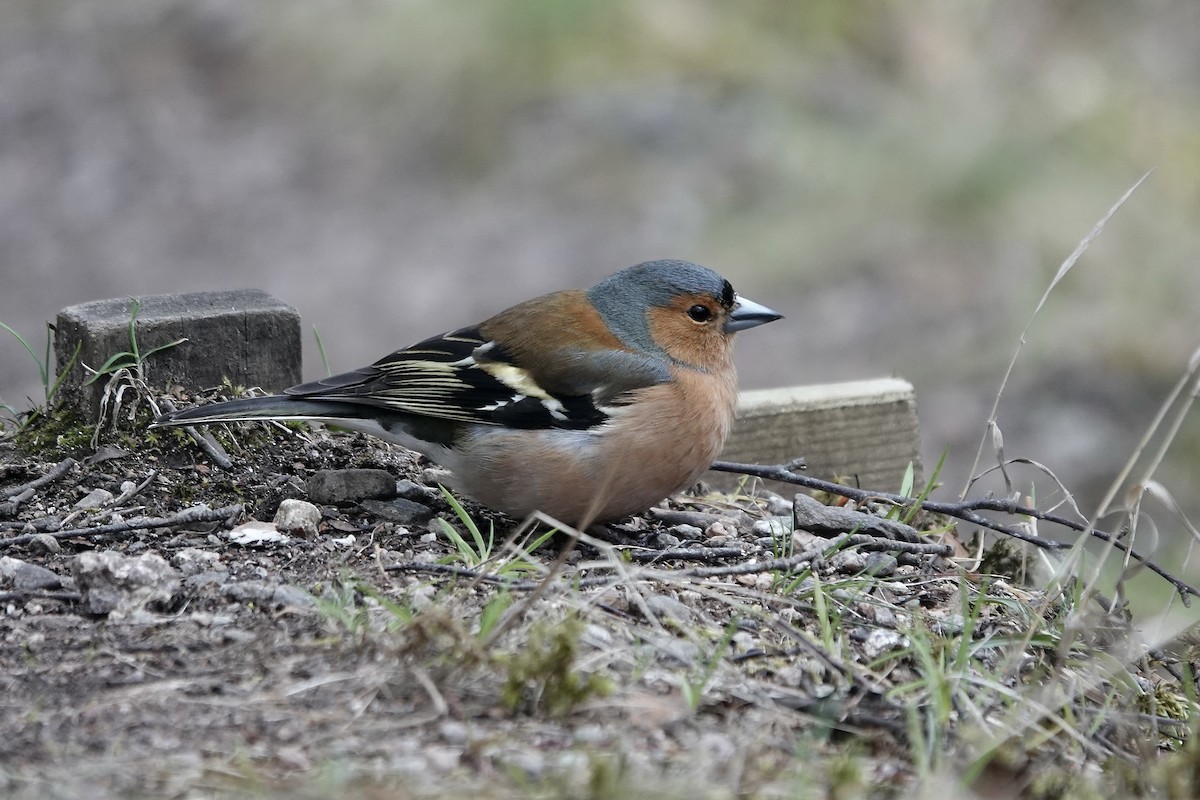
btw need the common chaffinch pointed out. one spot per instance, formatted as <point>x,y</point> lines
<point>586,405</point>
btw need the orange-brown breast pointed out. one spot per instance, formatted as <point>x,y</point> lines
<point>653,447</point>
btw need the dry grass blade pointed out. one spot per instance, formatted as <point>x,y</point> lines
<point>1190,378</point>
<point>1066,266</point>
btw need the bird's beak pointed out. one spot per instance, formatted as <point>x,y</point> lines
<point>748,314</point>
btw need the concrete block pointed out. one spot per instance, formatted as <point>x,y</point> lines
<point>866,430</point>
<point>245,335</point>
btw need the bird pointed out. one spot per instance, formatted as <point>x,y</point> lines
<point>586,405</point>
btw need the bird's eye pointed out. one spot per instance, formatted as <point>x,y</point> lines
<point>700,313</point>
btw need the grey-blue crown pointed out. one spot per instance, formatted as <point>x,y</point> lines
<point>623,298</point>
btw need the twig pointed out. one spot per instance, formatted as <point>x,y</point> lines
<point>843,541</point>
<point>699,519</point>
<point>210,446</point>
<point>124,496</point>
<point>684,554</point>
<point>185,517</point>
<point>55,473</point>
<point>514,584</point>
<point>9,508</point>
<point>19,494</point>
<point>62,597</point>
<point>964,511</point>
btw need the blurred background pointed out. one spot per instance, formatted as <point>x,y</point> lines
<point>902,180</point>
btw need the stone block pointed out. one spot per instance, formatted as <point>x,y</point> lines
<point>244,335</point>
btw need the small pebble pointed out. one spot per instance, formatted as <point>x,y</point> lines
<point>199,580</point>
<point>24,575</point>
<point>717,530</point>
<point>298,517</point>
<point>454,732</point>
<point>399,511</point>
<point>590,734</point>
<point>597,636</point>
<point>443,759</point>
<point>193,560</point>
<point>94,499</point>
<point>743,641</point>
<point>948,625</point>
<point>422,597</point>
<point>44,543</point>
<point>411,490</point>
<point>292,596</point>
<point>773,526</point>
<point>880,615</point>
<point>333,486</point>
<point>685,531</point>
<point>531,762</point>
<point>669,607</point>
<point>881,641</point>
<point>881,565</point>
<point>665,541</point>
<point>778,506</point>
<point>848,562</point>
<point>249,591</point>
<point>238,635</point>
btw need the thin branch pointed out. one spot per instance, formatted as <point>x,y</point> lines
<point>837,543</point>
<point>210,446</point>
<point>36,594</point>
<point>964,511</point>
<point>684,554</point>
<point>844,541</point>
<point>9,508</point>
<point>185,517</point>
<point>134,490</point>
<point>55,473</point>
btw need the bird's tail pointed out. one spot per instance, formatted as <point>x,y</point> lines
<point>277,407</point>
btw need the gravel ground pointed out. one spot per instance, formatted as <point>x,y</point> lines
<point>196,649</point>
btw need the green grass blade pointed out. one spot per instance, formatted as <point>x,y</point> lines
<point>162,347</point>
<point>321,350</point>
<point>43,366</point>
<point>112,364</point>
<point>468,555</point>
<point>930,484</point>
<point>483,546</point>
<point>134,308</point>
